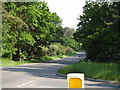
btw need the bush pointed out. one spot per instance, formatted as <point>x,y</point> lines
<point>44,50</point>
<point>58,49</point>
<point>61,49</point>
<point>70,43</point>
<point>52,50</point>
<point>69,51</point>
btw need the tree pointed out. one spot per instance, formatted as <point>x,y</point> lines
<point>15,36</point>
<point>30,26</point>
<point>68,32</point>
<point>98,33</point>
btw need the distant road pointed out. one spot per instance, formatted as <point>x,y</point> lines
<point>43,75</point>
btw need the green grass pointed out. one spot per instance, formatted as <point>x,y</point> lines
<point>104,71</point>
<point>48,58</point>
<point>9,62</point>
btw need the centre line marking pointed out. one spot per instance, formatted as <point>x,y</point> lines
<point>26,83</point>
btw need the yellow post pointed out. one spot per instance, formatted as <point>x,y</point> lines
<point>75,80</point>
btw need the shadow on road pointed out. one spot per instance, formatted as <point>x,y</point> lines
<point>47,69</point>
<point>69,60</point>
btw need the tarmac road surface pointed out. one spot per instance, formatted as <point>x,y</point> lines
<point>43,75</point>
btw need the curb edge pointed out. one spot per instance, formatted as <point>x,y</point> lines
<point>91,79</point>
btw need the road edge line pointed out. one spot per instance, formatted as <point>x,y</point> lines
<point>91,79</point>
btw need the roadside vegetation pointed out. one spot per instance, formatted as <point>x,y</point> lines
<point>103,71</point>
<point>31,33</point>
<point>9,62</point>
<point>98,32</point>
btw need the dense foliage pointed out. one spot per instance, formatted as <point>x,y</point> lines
<point>70,43</point>
<point>30,31</point>
<point>68,32</point>
<point>98,31</point>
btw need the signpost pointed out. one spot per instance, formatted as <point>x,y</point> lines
<point>75,80</point>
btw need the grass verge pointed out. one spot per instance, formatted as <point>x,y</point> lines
<point>9,62</point>
<point>103,71</point>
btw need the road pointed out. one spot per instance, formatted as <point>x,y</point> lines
<point>43,75</point>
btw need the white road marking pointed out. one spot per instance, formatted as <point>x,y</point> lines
<point>26,83</point>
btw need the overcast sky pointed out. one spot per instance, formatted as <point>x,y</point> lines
<point>67,10</point>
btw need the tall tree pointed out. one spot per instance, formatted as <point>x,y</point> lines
<point>68,32</point>
<point>97,31</point>
<point>32,26</point>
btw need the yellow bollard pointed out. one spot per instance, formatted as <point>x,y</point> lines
<point>75,80</point>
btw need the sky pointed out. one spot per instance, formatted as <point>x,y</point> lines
<point>67,10</point>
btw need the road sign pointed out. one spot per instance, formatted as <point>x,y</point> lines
<point>75,80</point>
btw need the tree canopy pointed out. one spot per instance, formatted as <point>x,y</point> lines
<point>26,27</point>
<point>31,31</point>
<point>98,31</point>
